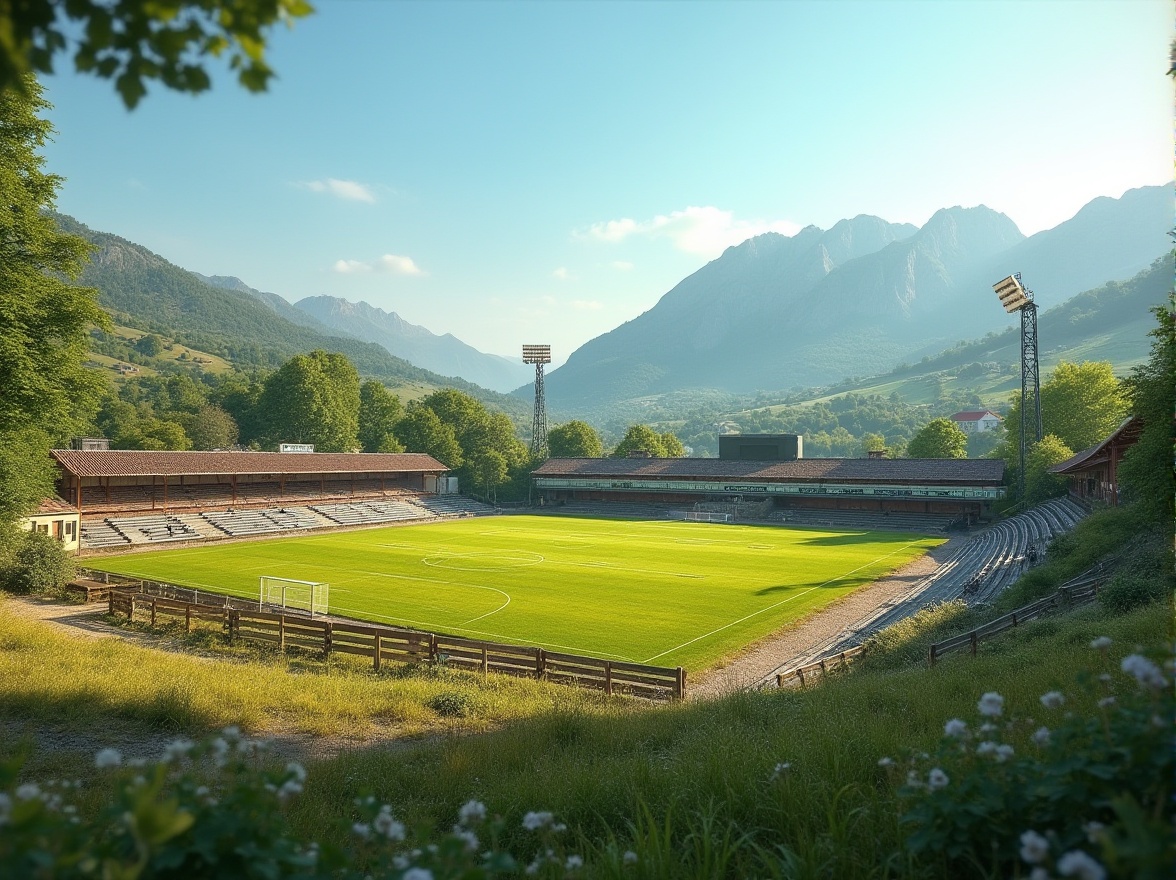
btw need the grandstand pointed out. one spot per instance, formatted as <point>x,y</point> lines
<point>131,498</point>
<point>870,493</point>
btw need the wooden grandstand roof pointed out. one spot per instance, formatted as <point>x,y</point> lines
<point>137,463</point>
<point>873,470</point>
<point>1125,435</point>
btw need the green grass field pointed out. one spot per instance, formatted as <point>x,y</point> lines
<point>667,593</point>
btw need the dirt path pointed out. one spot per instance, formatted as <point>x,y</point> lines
<point>793,644</point>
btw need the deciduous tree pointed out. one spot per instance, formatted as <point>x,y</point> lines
<point>644,439</point>
<point>132,42</point>
<point>379,412</point>
<point>1147,468</point>
<point>574,439</point>
<point>1081,404</point>
<point>422,431</point>
<point>313,398</point>
<point>1040,484</point>
<point>939,438</point>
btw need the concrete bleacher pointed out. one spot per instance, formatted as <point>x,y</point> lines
<point>452,505</point>
<point>155,529</point>
<point>101,536</point>
<point>260,521</point>
<point>363,512</point>
<point>620,509</point>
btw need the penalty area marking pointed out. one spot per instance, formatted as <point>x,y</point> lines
<point>409,577</point>
<point>839,577</point>
<point>507,560</point>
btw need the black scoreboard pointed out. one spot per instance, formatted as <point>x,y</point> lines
<point>761,447</point>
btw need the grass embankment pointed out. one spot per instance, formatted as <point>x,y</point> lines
<point>694,783</point>
<point>97,686</point>
<point>664,593</point>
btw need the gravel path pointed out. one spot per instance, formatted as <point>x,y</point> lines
<point>793,644</point>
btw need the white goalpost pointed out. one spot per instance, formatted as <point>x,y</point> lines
<point>284,593</point>
<point>708,516</point>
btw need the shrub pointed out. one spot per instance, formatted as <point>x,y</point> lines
<point>36,564</point>
<point>451,704</point>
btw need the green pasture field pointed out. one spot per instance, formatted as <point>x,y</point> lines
<point>660,592</point>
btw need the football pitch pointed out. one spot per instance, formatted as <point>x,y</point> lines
<point>659,592</point>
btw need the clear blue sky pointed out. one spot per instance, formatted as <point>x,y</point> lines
<point>544,171</point>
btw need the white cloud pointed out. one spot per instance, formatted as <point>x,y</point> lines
<point>563,274</point>
<point>706,231</point>
<point>391,263</point>
<point>586,305</point>
<point>350,190</point>
<point>622,265</point>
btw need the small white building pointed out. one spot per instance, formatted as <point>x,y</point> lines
<point>977,422</point>
<point>57,519</point>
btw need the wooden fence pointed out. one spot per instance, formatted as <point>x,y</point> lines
<point>822,666</point>
<point>1077,592</point>
<point>392,644</point>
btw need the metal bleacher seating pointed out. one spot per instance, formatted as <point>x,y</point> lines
<point>864,519</point>
<point>260,521</point>
<point>362,512</point>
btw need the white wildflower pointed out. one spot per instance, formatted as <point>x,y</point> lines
<point>1101,643</point>
<point>1034,847</point>
<point>629,858</point>
<point>177,750</point>
<point>536,820</point>
<point>386,826</point>
<point>1105,678</point>
<point>986,727</point>
<point>201,791</point>
<point>472,812</point>
<point>781,768</point>
<point>418,874</point>
<point>1144,671</point>
<point>232,732</point>
<point>573,863</point>
<point>289,787</point>
<point>913,780</point>
<point>297,771</point>
<point>27,792</point>
<point>467,837</point>
<point>559,826</point>
<point>988,747</point>
<point>1041,736</point>
<point>1106,702</point>
<point>220,748</point>
<point>1078,864</point>
<point>955,728</point>
<point>107,758</point>
<point>886,762</point>
<point>362,829</point>
<point>1052,699</point>
<point>991,705</point>
<point>937,779</point>
<point>400,862</point>
<point>1094,831</point>
<point>534,867</point>
<point>1003,752</point>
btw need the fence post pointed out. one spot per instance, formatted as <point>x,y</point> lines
<point>231,619</point>
<point>432,647</point>
<point>153,613</point>
<point>931,656</point>
<point>328,636</point>
<point>608,678</point>
<point>540,662</point>
<point>376,657</point>
<point>975,642</point>
<point>779,680</point>
<point>187,618</point>
<point>110,600</point>
<point>282,632</point>
<point>800,674</point>
<point>485,661</point>
<point>681,683</point>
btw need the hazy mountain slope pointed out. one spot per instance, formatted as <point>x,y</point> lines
<point>778,312</point>
<point>143,290</point>
<point>442,354</point>
<point>277,303</point>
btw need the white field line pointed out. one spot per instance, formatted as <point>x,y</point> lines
<point>408,577</point>
<point>839,577</point>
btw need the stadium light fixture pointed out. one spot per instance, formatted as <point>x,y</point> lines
<point>1011,294</point>
<point>1017,298</point>
<point>538,355</point>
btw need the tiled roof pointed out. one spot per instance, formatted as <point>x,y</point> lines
<point>55,505</point>
<point>136,463</point>
<point>973,416</point>
<point>871,470</point>
<point>1127,433</point>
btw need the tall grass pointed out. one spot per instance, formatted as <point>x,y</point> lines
<point>696,783</point>
<point>53,679</point>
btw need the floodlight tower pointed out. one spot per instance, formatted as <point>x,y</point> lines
<point>1016,298</point>
<point>538,355</point>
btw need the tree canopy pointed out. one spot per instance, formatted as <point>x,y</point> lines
<point>1081,404</point>
<point>379,412</point>
<point>313,398</point>
<point>45,391</point>
<point>133,42</point>
<point>1147,468</point>
<point>939,438</point>
<point>574,439</point>
<point>642,438</point>
<point>1040,484</point>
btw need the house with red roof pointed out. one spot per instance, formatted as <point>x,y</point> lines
<point>977,422</point>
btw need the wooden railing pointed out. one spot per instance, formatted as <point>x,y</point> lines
<point>392,644</point>
<point>822,666</point>
<point>1076,592</point>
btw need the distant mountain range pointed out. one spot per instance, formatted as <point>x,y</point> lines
<point>224,316</point>
<point>778,312</point>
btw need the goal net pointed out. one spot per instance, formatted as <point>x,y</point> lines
<point>289,594</point>
<point>708,516</point>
